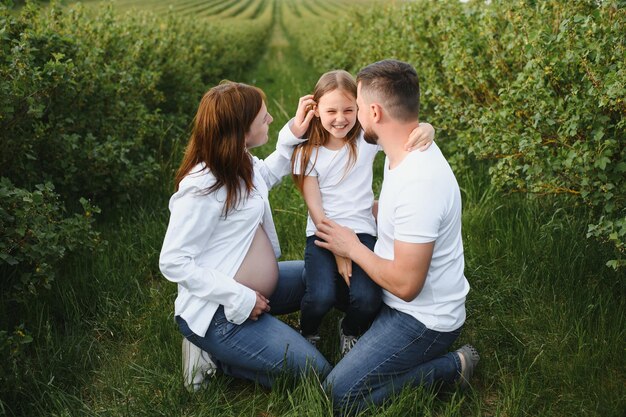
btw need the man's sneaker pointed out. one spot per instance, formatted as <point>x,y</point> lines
<point>469,359</point>
<point>313,339</point>
<point>345,342</point>
<point>197,365</point>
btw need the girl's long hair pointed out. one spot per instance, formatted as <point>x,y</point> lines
<point>318,136</point>
<point>218,139</point>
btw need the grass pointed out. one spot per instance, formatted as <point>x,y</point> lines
<point>546,314</point>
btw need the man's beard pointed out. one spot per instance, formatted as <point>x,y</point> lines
<point>370,137</point>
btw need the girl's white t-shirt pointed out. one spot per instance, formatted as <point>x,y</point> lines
<point>347,195</point>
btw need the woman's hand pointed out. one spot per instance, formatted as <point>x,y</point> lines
<point>304,114</point>
<point>420,138</point>
<point>261,306</point>
<point>344,265</point>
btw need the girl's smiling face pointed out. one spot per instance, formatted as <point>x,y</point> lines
<point>337,112</point>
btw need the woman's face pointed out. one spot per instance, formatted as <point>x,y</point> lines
<point>257,135</point>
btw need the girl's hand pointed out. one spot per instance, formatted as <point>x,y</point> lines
<point>420,138</point>
<point>304,114</point>
<point>344,265</point>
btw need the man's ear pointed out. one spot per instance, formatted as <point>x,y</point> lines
<point>376,112</point>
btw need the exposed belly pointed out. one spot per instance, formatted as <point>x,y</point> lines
<point>259,269</point>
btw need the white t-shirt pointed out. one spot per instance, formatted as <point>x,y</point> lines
<point>420,202</point>
<point>347,196</point>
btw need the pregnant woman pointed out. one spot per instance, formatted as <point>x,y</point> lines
<point>221,246</point>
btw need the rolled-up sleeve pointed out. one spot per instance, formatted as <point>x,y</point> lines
<point>193,218</point>
<point>278,163</point>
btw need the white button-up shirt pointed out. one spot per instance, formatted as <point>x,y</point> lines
<point>202,250</point>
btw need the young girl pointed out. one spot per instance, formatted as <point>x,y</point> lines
<point>333,170</point>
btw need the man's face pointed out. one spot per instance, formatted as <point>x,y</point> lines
<point>363,114</point>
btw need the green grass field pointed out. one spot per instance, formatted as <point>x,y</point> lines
<point>546,314</point>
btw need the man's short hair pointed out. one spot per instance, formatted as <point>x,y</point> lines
<point>396,85</point>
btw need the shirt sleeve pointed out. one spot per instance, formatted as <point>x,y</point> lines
<point>310,170</point>
<point>193,218</point>
<point>278,163</point>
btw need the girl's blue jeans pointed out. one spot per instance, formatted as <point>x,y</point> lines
<point>397,350</point>
<point>326,289</point>
<point>262,350</point>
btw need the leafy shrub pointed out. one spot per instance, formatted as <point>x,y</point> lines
<point>93,102</point>
<point>537,88</point>
<point>37,233</point>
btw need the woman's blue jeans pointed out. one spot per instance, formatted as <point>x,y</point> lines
<point>397,350</point>
<point>262,350</point>
<point>326,289</point>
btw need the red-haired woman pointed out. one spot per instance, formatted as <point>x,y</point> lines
<point>221,247</point>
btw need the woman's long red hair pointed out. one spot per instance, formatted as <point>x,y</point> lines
<point>316,134</point>
<point>218,139</point>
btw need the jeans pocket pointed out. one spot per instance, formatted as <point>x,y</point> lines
<point>222,325</point>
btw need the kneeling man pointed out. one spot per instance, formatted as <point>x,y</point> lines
<point>418,259</point>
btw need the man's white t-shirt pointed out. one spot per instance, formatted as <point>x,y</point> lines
<point>420,202</point>
<point>347,195</point>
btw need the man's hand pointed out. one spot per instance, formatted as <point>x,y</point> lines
<point>338,239</point>
<point>261,306</point>
<point>304,114</point>
<point>344,265</point>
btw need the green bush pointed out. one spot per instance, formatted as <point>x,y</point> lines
<point>72,114</point>
<point>536,88</point>
<point>93,102</point>
<point>37,233</point>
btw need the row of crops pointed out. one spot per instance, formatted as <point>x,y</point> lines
<point>239,9</point>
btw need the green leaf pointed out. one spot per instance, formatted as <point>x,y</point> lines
<point>601,162</point>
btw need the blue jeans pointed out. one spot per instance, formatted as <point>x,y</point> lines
<point>262,350</point>
<point>397,351</point>
<point>326,289</point>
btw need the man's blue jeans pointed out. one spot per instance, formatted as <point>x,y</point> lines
<point>326,289</point>
<point>396,351</point>
<point>261,350</point>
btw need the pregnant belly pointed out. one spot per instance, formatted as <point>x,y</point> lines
<point>259,269</point>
